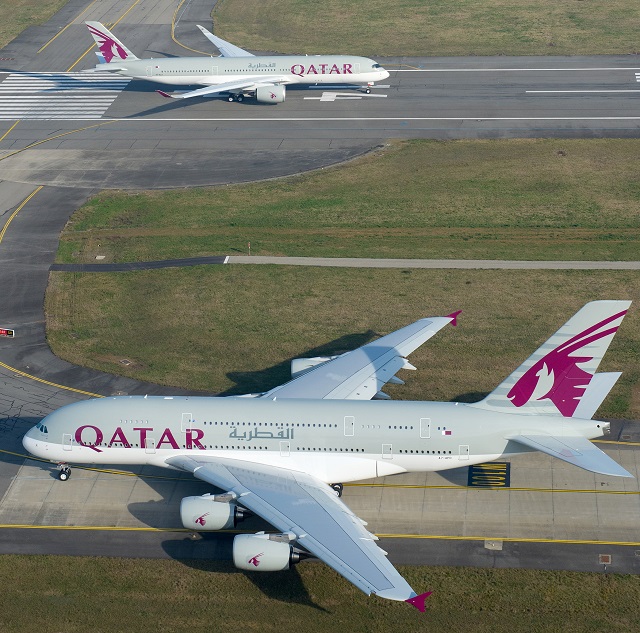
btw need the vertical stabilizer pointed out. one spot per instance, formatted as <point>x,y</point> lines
<point>553,380</point>
<point>111,48</point>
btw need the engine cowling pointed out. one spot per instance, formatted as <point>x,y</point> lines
<point>205,513</point>
<point>270,94</point>
<point>259,552</point>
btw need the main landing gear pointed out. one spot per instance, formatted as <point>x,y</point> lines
<point>338,488</point>
<point>239,98</point>
<point>64,472</point>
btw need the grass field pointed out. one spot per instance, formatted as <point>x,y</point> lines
<point>75,595</point>
<point>19,14</point>
<point>233,329</point>
<point>511,199</point>
<point>438,27</point>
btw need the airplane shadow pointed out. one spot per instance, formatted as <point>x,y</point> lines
<point>213,551</point>
<point>270,377</point>
<point>470,397</point>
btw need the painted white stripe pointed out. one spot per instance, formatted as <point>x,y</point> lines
<point>226,260</point>
<point>573,91</point>
<point>475,118</point>
<point>502,70</point>
<point>56,99</point>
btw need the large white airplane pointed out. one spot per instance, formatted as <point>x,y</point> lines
<point>279,454</point>
<point>236,72</point>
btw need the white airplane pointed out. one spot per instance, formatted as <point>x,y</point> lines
<point>236,72</point>
<point>276,454</point>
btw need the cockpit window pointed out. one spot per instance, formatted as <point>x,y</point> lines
<point>376,66</point>
<point>41,427</point>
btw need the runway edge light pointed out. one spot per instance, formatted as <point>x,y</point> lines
<point>7,332</point>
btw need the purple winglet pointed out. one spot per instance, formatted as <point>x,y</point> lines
<point>454,317</point>
<point>418,601</point>
<point>164,94</point>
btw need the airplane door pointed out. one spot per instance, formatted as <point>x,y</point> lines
<point>285,449</point>
<point>66,441</point>
<point>425,427</point>
<point>463,451</point>
<point>214,70</point>
<point>187,420</point>
<point>150,71</point>
<point>349,425</point>
<point>356,69</point>
<point>149,445</point>
<point>387,451</point>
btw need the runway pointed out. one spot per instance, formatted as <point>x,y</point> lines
<point>69,138</point>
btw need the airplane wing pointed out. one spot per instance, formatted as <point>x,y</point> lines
<point>576,450</point>
<point>361,374</point>
<point>226,49</point>
<point>242,84</point>
<point>295,502</point>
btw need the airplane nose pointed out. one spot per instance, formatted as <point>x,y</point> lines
<point>30,443</point>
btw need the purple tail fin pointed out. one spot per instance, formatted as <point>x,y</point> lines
<point>111,48</point>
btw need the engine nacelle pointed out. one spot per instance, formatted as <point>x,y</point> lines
<point>270,94</point>
<point>260,552</point>
<point>205,514</point>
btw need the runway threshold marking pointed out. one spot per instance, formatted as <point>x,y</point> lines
<point>93,44</point>
<point>61,31</point>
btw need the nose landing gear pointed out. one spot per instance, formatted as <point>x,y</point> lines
<point>64,472</point>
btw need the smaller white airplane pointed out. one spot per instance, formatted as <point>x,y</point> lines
<point>236,73</point>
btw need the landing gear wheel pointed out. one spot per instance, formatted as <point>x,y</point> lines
<point>240,98</point>
<point>338,488</point>
<point>64,473</point>
<point>230,98</point>
<point>368,91</point>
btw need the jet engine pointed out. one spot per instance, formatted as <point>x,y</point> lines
<point>270,94</point>
<point>210,512</point>
<point>264,552</point>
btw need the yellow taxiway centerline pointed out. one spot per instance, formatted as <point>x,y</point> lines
<point>92,46</point>
<point>9,130</point>
<point>436,537</point>
<point>62,30</point>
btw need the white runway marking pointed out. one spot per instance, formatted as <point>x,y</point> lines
<point>502,70</point>
<point>70,96</point>
<point>340,96</point>
<point>573,91</point>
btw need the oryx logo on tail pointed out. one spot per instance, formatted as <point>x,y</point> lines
<point>558,375</point>
<point>110,46</point>
<point>107,46</point>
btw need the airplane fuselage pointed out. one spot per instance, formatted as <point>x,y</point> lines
<point>288,69</point>
<point>333,440</point>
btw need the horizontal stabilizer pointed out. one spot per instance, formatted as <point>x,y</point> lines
<point>576,450</point>
<point>595,393</point>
